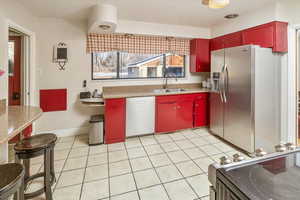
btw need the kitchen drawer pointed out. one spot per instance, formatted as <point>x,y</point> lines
<point>166,98</point>
<point>201,96</point>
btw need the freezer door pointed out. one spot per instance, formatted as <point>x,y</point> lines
<point>216,99</point>
<point>237,114</point>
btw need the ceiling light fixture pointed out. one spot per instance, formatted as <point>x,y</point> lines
<point>231,16</point>
<point>205,2</point>
<point>104,27</point>
<point>215,4</point>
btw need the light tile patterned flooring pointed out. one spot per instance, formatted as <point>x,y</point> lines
<point>155,167</point>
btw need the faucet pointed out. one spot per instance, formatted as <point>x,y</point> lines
<point>165,86</point>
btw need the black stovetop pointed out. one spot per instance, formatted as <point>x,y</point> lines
<point>275,179</point>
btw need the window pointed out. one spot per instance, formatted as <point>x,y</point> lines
<point>105,65</point>
<point>121,65</point>
<point>175,65</point>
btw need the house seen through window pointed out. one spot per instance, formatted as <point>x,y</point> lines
<point>121,65</point>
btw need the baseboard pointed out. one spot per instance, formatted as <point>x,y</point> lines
<point>67,132</point>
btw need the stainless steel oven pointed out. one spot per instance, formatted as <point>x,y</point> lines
<point>271,177</point>
<point>227,191</point>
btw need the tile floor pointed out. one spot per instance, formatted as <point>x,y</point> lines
<point>161,167</point>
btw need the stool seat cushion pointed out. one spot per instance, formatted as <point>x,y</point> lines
<point>36,142</point>
<point>10,175</point>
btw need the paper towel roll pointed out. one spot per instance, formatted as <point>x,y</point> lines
<point>103,19</point>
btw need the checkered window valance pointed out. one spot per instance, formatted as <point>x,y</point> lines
<point>137,44</point>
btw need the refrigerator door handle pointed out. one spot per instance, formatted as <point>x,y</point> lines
<point>221,89</point>
<point>225,71</point>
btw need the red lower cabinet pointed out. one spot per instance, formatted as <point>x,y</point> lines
<point>165,116</point>
<point>184,115</point>
<point>177,112</point>
<point>115,122</point>
<point>201,111</point>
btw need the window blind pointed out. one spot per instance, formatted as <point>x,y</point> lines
<point>139,44</point>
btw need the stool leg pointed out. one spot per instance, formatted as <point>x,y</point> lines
<point>17,159</point>
<point>53,178</point>
<point>26,163</point>
<point>47,179</point>
<point>27,167</point>
<point>19,195</point>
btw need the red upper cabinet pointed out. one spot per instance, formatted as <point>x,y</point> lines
<point>200,55</point>
<point>227,41</point>
<point>115,122</point>
<point>271,35</point>
<point>262,36</point>
<point>233,40</point>
<point>281,37</point>
<point>216,43</point>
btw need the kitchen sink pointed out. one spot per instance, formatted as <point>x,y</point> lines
<point>169,90</point>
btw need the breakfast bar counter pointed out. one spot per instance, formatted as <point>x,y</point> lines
<point>19,118</point>
<point>13,120</point>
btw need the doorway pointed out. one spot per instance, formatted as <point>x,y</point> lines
<point>14,68</point>
<point>17,76</point>
<point>20,67</point>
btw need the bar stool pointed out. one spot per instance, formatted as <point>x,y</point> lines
<point>12,181</point>
<point>37,145</point>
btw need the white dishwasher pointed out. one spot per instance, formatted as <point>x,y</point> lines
<point>140,116</point>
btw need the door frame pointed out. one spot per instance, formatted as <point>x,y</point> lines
<point>289,97</point>
<point>28,60</point>
<point>297,63</point>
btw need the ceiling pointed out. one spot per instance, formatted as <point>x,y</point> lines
<point>179,12</point>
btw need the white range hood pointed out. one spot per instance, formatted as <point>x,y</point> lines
<point>103,19</point>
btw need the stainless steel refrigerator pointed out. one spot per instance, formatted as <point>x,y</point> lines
<point>245,97</point>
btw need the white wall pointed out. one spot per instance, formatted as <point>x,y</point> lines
<point>52,31</point>
<point>288,10</point>
<point>135,27</point>
<point>10,10</point>
<point>261,16</point>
